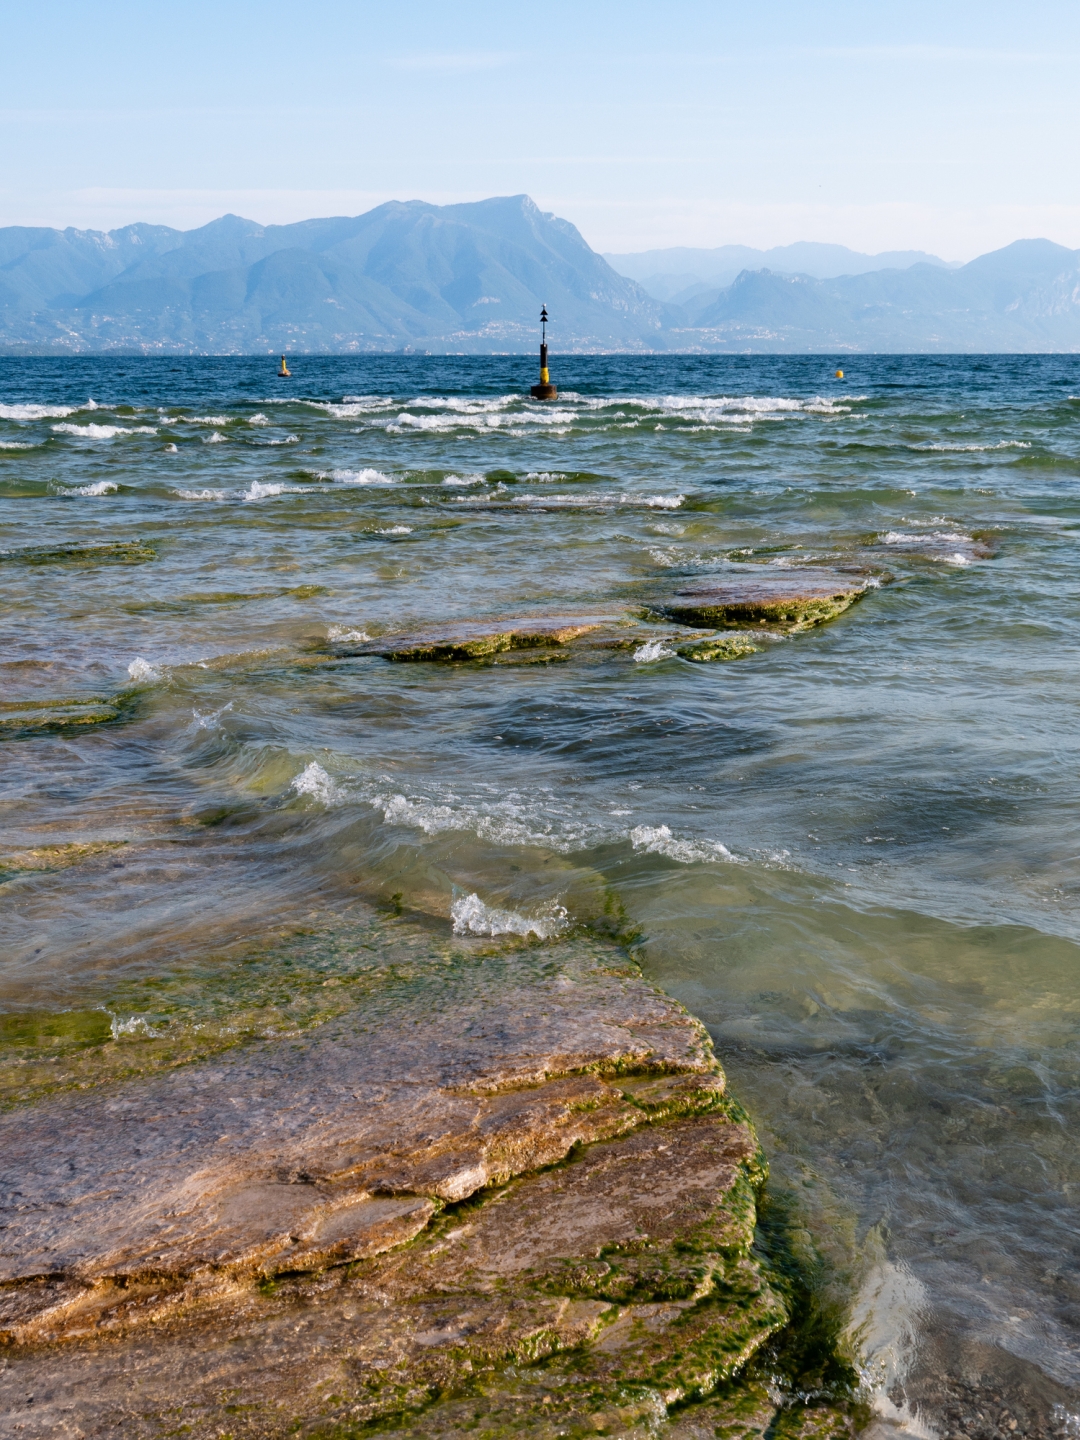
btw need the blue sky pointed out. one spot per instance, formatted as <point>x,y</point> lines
<point>951,127</point>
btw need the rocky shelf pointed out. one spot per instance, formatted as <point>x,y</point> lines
<point>510,1196</point>
<point>793,599</point>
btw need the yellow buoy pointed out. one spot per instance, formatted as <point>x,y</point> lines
<point>839,374</point>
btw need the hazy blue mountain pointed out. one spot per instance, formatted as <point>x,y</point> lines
<point>683,275</point>
<point>1025,297</point>
<point>472,278</point>
<point>451,277</point>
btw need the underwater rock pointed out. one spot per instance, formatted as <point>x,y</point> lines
<point>118,552</point>
<point>718,647</point>
<point>35,717</point>
<point>474,640</point>
<point>551,1134</point>
<point>793,599</point>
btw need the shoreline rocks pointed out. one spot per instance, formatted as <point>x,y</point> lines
<point>519,1186</point>
<point>793,599</point>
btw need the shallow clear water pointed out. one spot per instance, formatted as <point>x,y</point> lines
<point>854,854</point>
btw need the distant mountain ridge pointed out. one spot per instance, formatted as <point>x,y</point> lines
<point>681,275</point>
<point>471,279</point>
<point>405,275</point>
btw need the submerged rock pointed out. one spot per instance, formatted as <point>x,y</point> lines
<point>794,599</point>
<point>718,647</point>
<point>259,1209</point>
<point>475,640</point>
<point>119,552</point>
<point>33,717</point>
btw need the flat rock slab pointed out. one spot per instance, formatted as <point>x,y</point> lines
<point>320,1150</point>
<point>793,599</point>
<point>505,1196</point>
<point>477,640</point>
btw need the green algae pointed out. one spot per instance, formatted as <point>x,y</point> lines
<point>718,647</point>
<point>47,859</point>
<point>793,613</point>
<point>119,552</point>
<point>36,717</point>
<point>279,985</point>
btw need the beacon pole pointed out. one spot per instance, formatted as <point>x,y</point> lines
<point>545,390</point>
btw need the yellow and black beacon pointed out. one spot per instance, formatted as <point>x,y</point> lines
<point>545,390</point>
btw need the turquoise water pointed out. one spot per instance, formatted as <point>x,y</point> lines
<point>854,854</point>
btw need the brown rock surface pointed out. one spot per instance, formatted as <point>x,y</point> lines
<point>507,1197</point>
<point>476,640</point>
<point>795,599</point>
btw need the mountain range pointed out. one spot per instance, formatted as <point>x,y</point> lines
<point>409,276</point>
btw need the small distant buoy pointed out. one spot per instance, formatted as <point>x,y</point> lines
<point>839,375</point>
<point>284,373</point>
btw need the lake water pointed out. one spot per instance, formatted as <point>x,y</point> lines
<point>855,854</point>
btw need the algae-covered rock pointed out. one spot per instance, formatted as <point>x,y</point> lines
<point>475,640</point>
<point>718,647</point>
<point>118,552</point>
<point>792,599</point>
<point>33,717</point>
<point>508,1198</point>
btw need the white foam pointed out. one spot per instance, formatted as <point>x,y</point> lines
<point>143,672</point>
<point>99,487</point>
<point>172,449</point>
<point>653,650</point>
<point>342,632</point>
<point>543,475</point>
<point>134,1025</point>
<point>39,412</point>
<point>358,477</point>
<point>200,494</point>
<point>205,419</point>
<point>103,432</point>
<point>258,419</point>
<point>208,719</point>
<point>945,447</point>
<point>17,445</point>
<point>288,440</point>
<point>464,480</point>
<point>258,491</point>
<point>658,840</point>
<point>214,438</point>
<point>472,917</point>
<point>395,530</point>
<point>314,781</point>
<point>660,528</point>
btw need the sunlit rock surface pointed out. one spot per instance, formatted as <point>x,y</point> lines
<point>228,1244</point>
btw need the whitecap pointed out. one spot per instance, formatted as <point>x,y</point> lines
<point>204,419</point>
<point>658,840</point>
<point>342,632</point>
<point>39,412</point>
<point>17,445</point>
<point>357,477</point>
<point>288,440</point>
<point>653,650</point>
<point>200,494</point>
<point>464,480</point>
<point>258,491</point>
<point>314,781</point>
<point>99,487</point>
<point>395,530</point>
<point>103,432</point>
<point>214,438</point>
<point>172,449</point>
<point>258,419</point>
<point>472,917</point>
<point>143,672</point>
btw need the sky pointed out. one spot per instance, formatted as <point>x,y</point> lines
<point>947,127</point>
